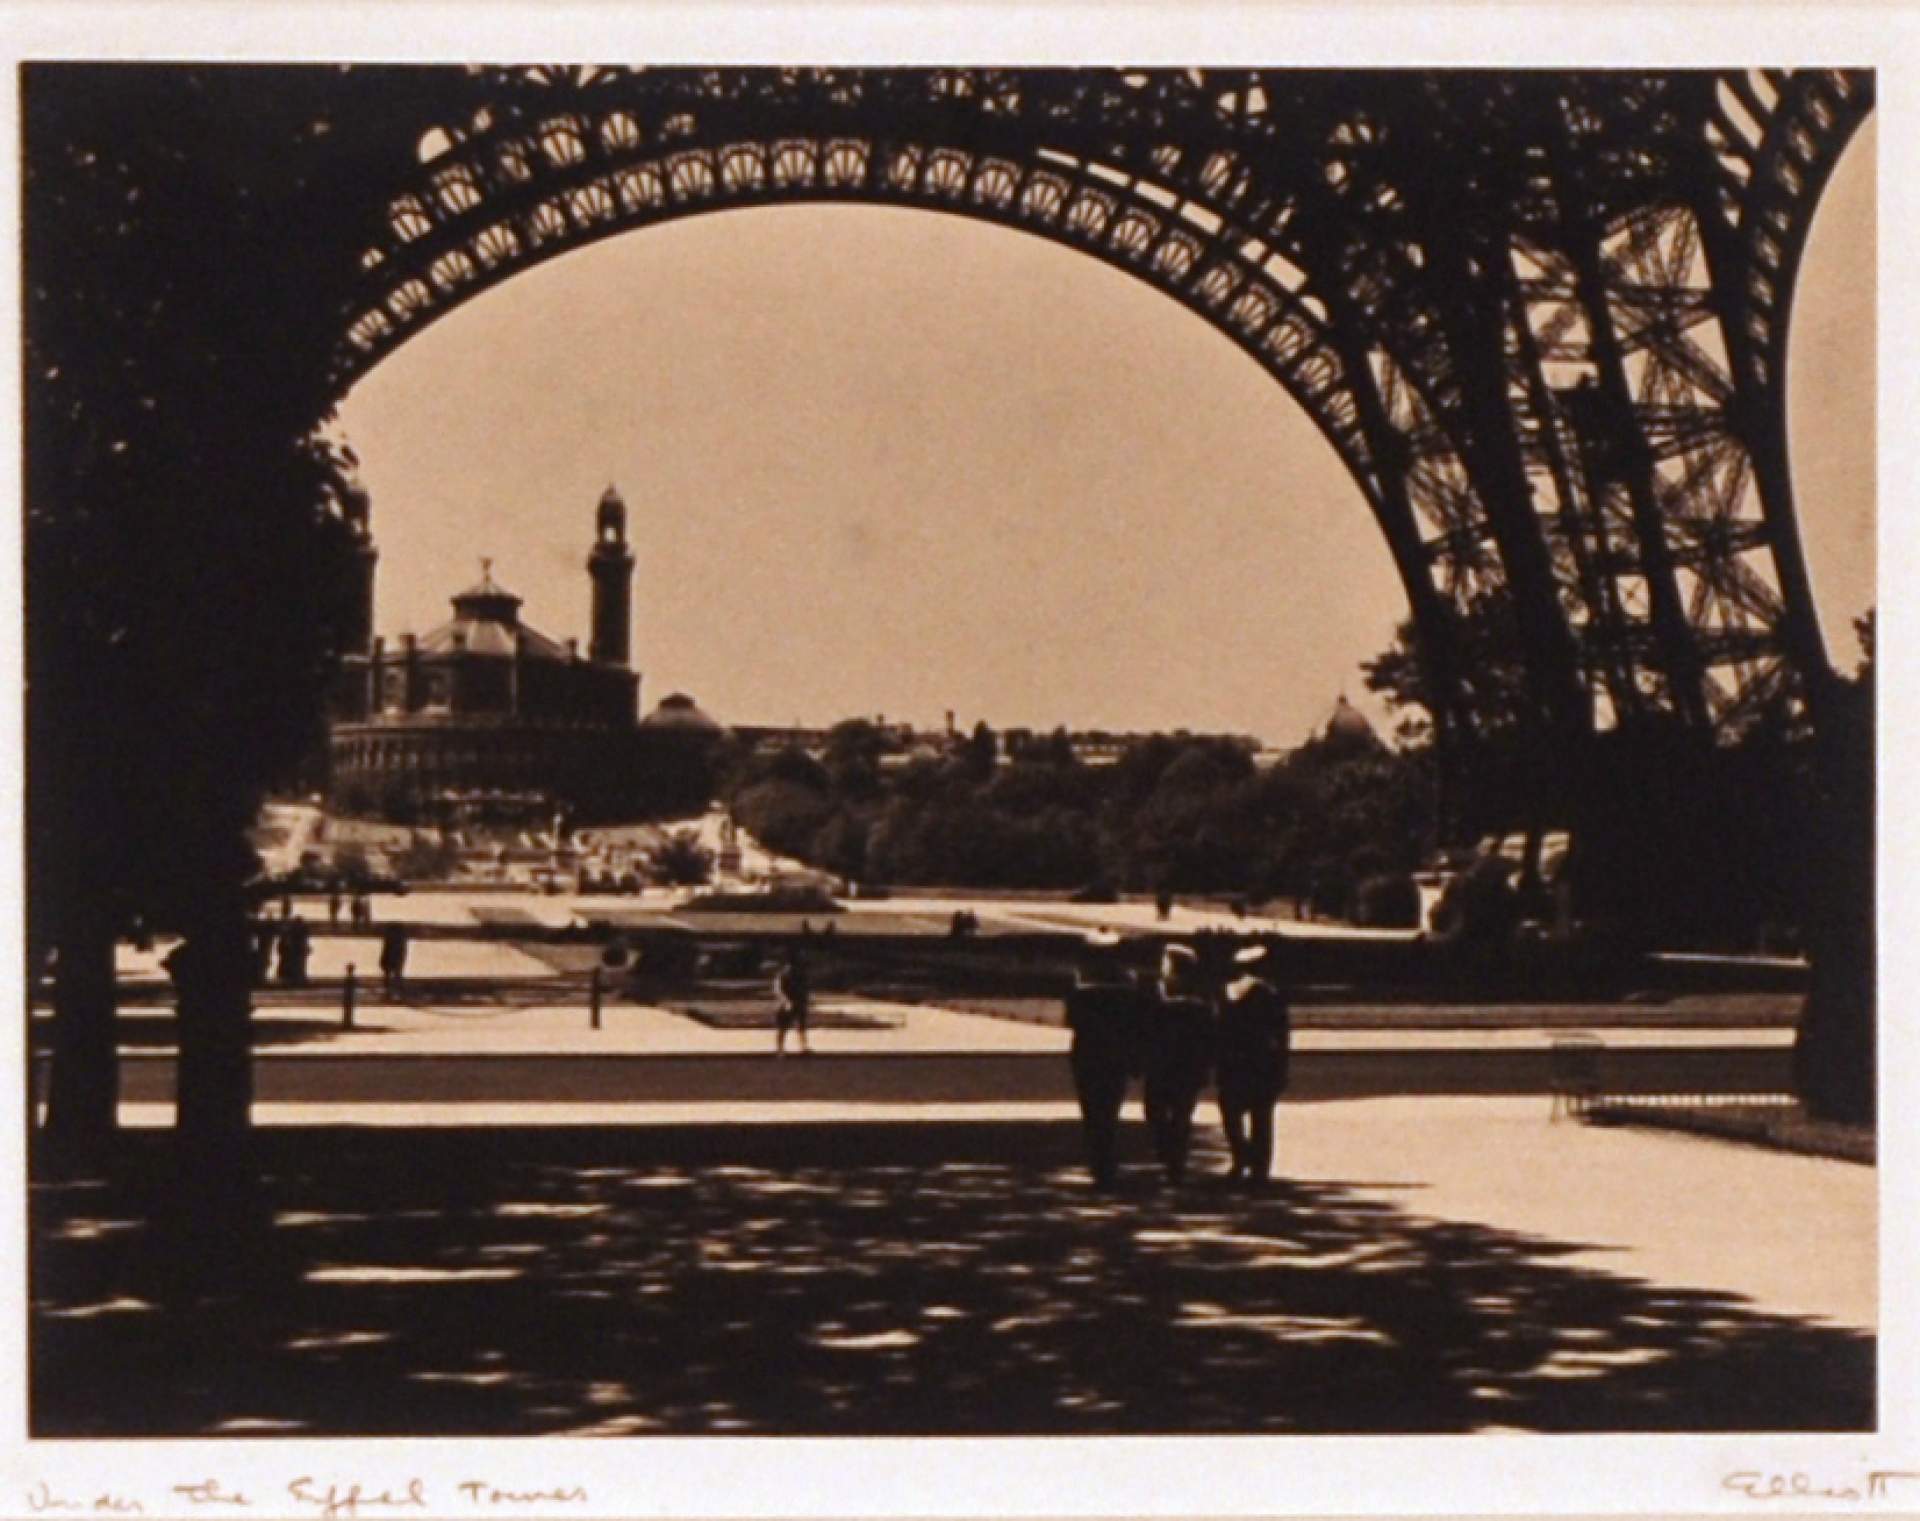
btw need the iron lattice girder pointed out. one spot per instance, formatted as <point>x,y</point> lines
<point>1049,193</point>
<point>1353,232</point>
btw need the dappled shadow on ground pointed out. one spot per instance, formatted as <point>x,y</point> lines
<point>856,1279</point>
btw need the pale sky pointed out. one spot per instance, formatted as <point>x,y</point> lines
<point>886,461</point>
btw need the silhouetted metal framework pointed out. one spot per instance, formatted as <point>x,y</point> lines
<point>1541,317</point>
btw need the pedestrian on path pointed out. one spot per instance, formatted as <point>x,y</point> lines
<point>393,958</point>
<point>1255,1039</point>
<point>1179,1057</point>
<point>265,938</point>
<point>794,991</point>
<point>296,945</point>
<point>1103,1011</point>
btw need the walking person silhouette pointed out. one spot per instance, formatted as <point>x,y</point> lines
<point>794,990</point>
<point>393,958</point>
<point>1103,1011</point>
<point>1255,1039</point>
<point>1179,1057</point>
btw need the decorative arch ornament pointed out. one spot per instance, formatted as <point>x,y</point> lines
<point>1542,318</point>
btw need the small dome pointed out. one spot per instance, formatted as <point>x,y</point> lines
<point>681,712</point>
<point>486,621</point>
<point>1348,722</point>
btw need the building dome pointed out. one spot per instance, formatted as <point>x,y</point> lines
<point>679,713</point>
<point>487,599</point>
<point>1348,722</point>
<point>486,621</point>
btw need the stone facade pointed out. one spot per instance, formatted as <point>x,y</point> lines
<point>486,719</point>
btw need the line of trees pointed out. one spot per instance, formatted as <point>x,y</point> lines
<point>1183,814</point>
<point>1679,840</point>
<point>1760,841</point>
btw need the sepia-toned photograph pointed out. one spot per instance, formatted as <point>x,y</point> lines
<point>1226,790</point>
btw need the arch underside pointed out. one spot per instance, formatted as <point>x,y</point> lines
<point>1566,403</point>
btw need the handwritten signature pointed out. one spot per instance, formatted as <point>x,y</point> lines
<point>1875,1484</point>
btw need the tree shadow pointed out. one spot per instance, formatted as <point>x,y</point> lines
<point>852,1279</point>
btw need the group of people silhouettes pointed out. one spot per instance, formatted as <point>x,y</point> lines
<point>1198,1023</point>
<point>281,949</point>
<point>359,908</point>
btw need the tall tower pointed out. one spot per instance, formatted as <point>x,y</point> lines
<point>357,508</point>
<point>611,566</point>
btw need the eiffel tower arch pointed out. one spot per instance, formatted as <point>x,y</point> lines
<point>1542,318</point>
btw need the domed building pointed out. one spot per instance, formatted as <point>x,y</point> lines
<point>486,719</point>
<point>680,714</point>
<point>680,749</point>
<point>1348,725</point>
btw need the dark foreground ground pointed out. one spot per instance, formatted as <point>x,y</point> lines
<point>854,1280</point>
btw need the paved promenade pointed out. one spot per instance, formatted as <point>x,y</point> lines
<point>490,1217</point>
<point>421,1024</point>
<point>1793,1233</point>
<point>1426,1265</point>
<point>457,909</point>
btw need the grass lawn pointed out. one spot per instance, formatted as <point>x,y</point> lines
<point>1782,1127</point>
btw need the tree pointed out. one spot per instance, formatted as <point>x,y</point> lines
<point>1678,839</point>
<point>784,815</point>
<point>680,860</point>
<point>855,741</point>
<point>1835,1053</point>
<point>1138,770</point>
<point>1030,787</point>
<point>851,760</point>
<point>794,767</point>
<point>1203,767</point>
<point>1491,658</point>
<point>186,560</point>
<point>840,845</point>
<point>1497,767</point>
<point>980,752</point>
